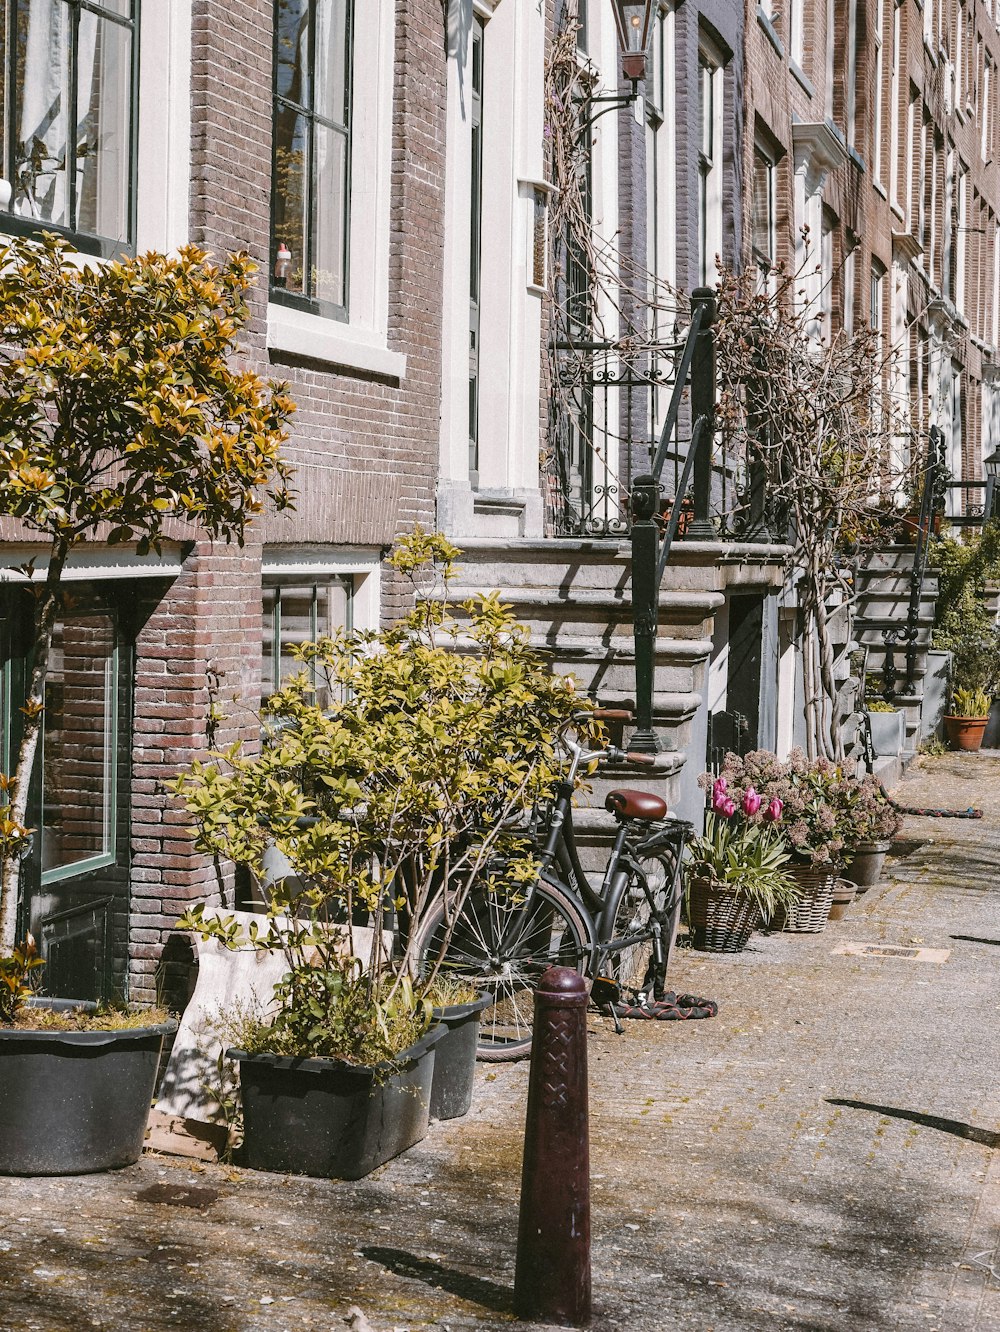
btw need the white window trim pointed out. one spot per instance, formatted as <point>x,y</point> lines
<point>163,159</point>
<point>363,565</point>
<point>362,342</point>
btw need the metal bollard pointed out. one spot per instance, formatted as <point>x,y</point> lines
<point>552,1278</point>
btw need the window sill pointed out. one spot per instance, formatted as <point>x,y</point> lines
<point>769,31</point>
<point>801,78</point>
<point>298,333</point>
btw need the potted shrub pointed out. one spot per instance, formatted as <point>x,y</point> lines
<point>396,768</point>
<point>966,722</point>
<point>120,416</point>
<point>76,1082</point>
<point>815,795</point>
<point>735,874</point>
<point>871,823</point>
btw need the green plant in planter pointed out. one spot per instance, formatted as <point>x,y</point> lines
<point>413,782</point>
<point>16,972</point>
<point>970,703</point>
<point>743,849</point>
<point>868,816</point>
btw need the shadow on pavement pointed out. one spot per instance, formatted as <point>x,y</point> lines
<point>987,1137</point>
<point>475,1289</point>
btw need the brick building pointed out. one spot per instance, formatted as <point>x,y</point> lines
<point>313,136</point>
<point>874,124</point>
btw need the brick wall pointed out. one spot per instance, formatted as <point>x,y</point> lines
<point>365,447</point>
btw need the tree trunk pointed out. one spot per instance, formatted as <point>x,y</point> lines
<point>46,608</point>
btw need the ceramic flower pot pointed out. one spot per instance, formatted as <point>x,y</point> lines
<point>965,732</point>
<point>865,867</point>
<point>844,892</point>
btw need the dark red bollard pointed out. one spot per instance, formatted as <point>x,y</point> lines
<point>552,1280</point>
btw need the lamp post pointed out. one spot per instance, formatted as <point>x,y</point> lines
<point>633,21</point>
<point>991,470</point>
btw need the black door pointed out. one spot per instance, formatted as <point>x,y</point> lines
<point>74,886</point>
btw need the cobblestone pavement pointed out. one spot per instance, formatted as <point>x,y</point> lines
<point>823,1155</point>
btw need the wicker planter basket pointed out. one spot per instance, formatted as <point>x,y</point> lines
<point>810,914</point>
<point>720,921</point>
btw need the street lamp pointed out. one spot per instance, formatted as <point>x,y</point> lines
<point>633,20</point>
<point>991,470</point>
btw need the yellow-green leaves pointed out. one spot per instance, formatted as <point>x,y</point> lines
<point>118,403</point>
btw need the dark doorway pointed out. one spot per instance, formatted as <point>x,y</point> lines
<point>74,885</point>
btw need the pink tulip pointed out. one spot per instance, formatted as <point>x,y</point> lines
<point>773,811</point>
<point>719,788</point>
<point>728,808</point>
<point>751,802</point>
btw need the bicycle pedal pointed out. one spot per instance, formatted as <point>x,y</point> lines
<point>605,991</point>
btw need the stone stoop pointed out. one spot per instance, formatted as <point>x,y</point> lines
<point>575,597</point>
<point>883,600</point>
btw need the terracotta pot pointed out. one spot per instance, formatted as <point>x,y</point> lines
<point>965,732</point>
<point>843,895</point>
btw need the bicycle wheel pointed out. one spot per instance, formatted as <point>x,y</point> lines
<point>499,947</point>
<point>649,903</point>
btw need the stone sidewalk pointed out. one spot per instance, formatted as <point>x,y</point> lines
<point>823,1155</point>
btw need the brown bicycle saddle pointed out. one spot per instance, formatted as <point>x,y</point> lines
<point>635,805</point>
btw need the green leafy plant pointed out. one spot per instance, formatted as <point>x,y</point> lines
<point>963,624</point>
<point>414,782</point>
<point>16,971</point>
<point>121,405</point>
<point>970,703</point>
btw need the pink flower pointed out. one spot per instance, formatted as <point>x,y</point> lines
<point>719,797</point>
<point>773,811</point>
<point>728,808</point>
<point>751,801</point>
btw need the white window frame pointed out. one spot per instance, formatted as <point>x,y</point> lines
<point>361,343</point>
<point>710,159</point>
<point>878,92</point>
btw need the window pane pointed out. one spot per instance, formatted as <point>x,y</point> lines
<point>291,70</point>
<point>102,136</point>
<point>78,742</point>
<point>330,176</point>
<point>42,95</point>
<point>291,154</point>
<point>331,60</point>
<point>268,680</point>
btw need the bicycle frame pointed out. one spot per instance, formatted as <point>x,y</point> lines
<point>598,908</point>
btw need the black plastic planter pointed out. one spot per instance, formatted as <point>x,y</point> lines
<point>74,1102</point>
<point>455,1059</point>
<point>332,1120</point>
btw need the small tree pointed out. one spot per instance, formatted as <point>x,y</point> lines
<point>414,779</point>
<point>119,413</point>
<point>810,416</point>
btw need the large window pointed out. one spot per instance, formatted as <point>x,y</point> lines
<point>709,164</point>
<point>79,746</point>
<point>300,610</point>
<point>69,71</point>
<point>312,151</point>
<point>765,230</point>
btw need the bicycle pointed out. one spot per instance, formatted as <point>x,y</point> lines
<point>619,935</point>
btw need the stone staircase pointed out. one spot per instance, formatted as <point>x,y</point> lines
<point>575,596</point>
<point>883,596</point>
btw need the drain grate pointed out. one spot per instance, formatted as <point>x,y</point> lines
<point>893,950</point>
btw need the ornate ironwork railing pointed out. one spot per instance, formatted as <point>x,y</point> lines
<point>617,414</point>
